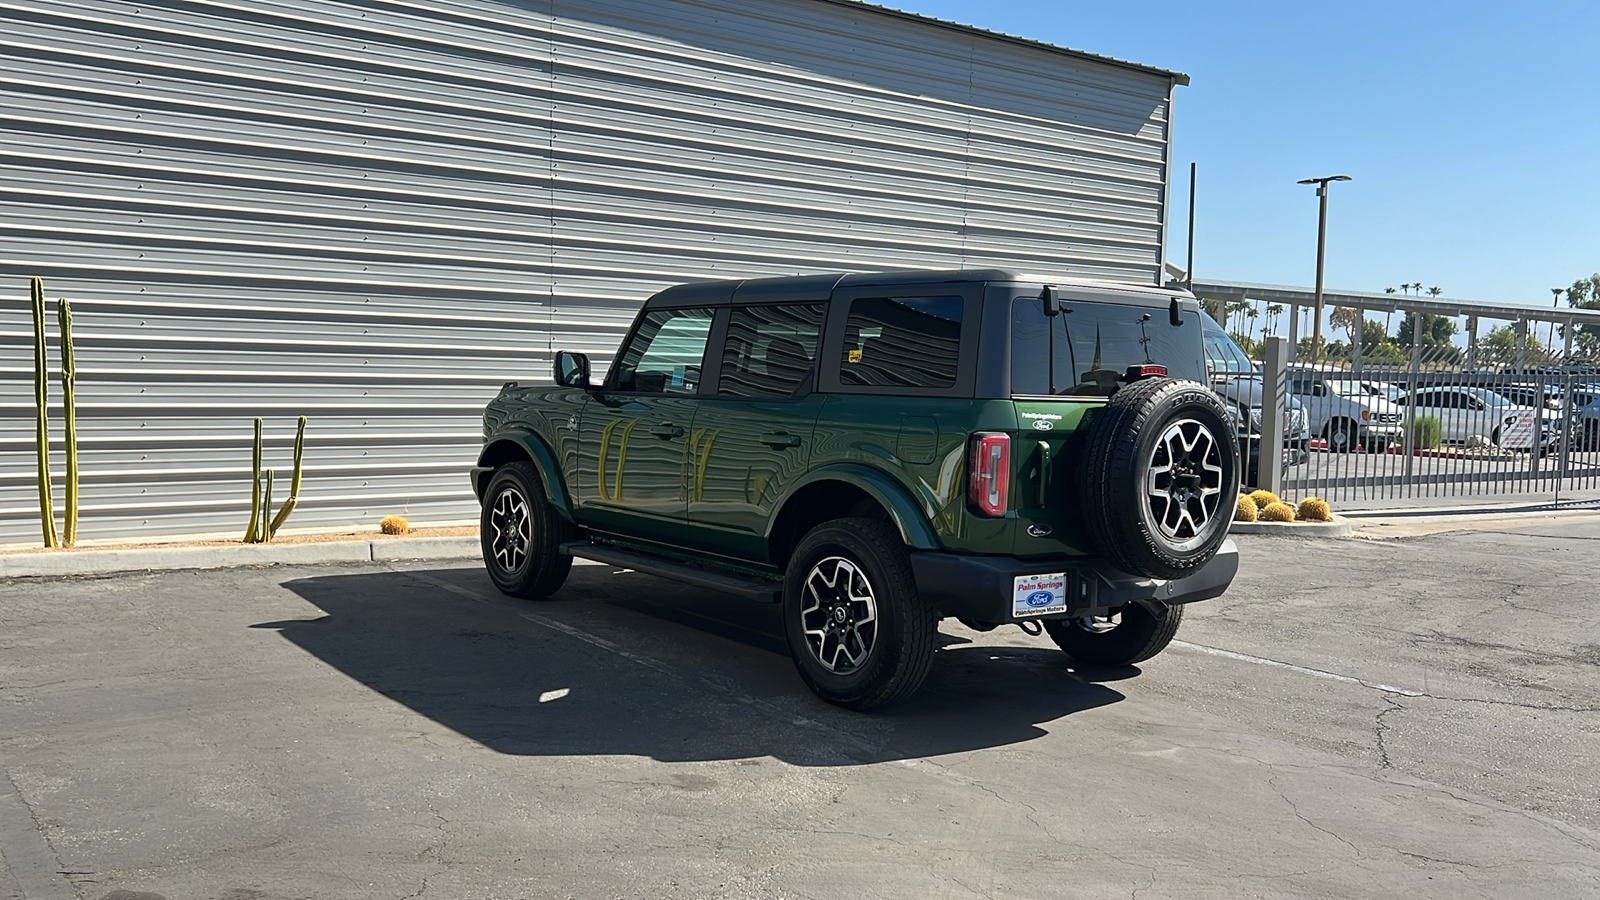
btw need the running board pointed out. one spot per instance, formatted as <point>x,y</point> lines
<point>750,588</point>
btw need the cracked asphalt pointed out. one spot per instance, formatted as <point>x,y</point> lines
<point>1355,719</point>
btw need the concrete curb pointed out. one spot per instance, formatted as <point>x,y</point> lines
<point>146,559</point>
<point>1338,528</point>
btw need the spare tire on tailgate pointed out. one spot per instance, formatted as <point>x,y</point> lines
<point>1159,478</point>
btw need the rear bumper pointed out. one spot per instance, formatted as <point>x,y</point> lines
<point>979,588</point>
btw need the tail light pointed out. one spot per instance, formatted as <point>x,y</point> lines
<point>1142,371</point>
<point>989,472</point>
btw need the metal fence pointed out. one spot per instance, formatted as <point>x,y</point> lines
<point>1427,419</point>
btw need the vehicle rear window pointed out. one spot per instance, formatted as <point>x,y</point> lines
<point>1086,349</point>
<point>911,342</point>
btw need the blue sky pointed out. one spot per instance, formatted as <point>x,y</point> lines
<point>1472,131</point>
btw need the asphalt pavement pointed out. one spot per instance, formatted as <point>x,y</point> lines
<point>1402,718</point>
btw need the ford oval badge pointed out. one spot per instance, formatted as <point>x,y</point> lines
<point>1039,529</point>
<point>1043,424</point>
<point>1039,598</point>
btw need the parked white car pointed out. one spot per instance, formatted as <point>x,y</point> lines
<point>1465,412</point>
<point>1347,412</point>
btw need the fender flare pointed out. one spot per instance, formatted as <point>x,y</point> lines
<point>907,515</point>
<point>543,459</point>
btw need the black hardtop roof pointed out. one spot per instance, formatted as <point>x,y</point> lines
<point>821,287</point>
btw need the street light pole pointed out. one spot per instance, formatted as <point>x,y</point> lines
<point>1557,304</point>
<point>1322,241</point>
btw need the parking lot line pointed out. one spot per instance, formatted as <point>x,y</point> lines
<point>1315,673</point>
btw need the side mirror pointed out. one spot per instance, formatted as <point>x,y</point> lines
<point>572,369</point>
<point>1052,303</point>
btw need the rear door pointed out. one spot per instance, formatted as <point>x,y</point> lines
<point>752,433</point>
<point>1063,369</point>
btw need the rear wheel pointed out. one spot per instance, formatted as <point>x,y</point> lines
<point>858,631</point>
<point>521,534</point>
<point>1131,635</point>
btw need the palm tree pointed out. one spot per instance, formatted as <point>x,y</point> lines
<point>1435,291</point>
<point>1388,290</point>
<point>1274,312</point>
<point>1417,285</point>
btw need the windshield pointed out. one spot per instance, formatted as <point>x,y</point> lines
<point>1087,348</point>
<point>1224,356</point>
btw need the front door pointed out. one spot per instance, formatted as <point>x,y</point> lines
<point>633,438</point>
<point>752,437</point>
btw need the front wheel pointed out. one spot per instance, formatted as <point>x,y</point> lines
<point>1131,635</point>
<point>858,631</point>
<point>522,534</point>
<point>1343,435</point>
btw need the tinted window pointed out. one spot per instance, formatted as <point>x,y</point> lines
<point>770,349</point>
<point>912,342</point>
<point>1223,356</point>
<point>665,354</point>
<point>1088,347</point>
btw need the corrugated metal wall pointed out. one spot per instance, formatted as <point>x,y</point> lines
<point>373,213</point>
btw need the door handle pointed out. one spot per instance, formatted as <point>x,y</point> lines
<point>666,430</point>
<point>1044,473</point>
<point>779,440</point>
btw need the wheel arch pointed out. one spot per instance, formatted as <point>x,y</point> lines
<point>523,446</point>
<point>841,491</point>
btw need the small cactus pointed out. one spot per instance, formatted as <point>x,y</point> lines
<point>394,525</point>
<point>1314,509</point>
<point>1277,511</point>
<point>1246,510</point>
<point>1263,499</point>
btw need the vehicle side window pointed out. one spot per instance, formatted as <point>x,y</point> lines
<point>1428,401</point>
<point>666,353</point>
<point>770,350</point>
<point>1300,387</point>
<point>912,342</point>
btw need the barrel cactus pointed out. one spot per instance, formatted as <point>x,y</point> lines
<point>1263,499</point>
<point>1245,510</point>
<point>1314,509</point>
<point>1277,512</point>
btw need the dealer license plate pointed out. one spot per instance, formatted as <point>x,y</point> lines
<point>1037,595</point>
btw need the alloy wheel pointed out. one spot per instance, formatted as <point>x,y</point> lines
<point>1184,482</point>
<point>840,615</point>
<point>512,525</point>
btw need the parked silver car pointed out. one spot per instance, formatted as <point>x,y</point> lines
<point>1467,412</point>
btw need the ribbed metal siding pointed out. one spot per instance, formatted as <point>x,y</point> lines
<point>374,213</point>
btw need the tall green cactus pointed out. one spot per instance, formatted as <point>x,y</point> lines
<point>41,401</point>
<point>251,533</point>
<point>263,524</point>
<point>69,405</point>
<point>294,482</point>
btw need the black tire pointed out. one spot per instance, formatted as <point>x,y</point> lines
<point>1140,634</point>
<point>893,647</point>
<point>521,534</point>
<point>1343,435</point>
<point>1172,534</point>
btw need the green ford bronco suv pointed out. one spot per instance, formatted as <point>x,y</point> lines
<point>879,451</point>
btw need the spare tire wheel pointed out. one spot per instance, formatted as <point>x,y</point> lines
<point>1159,478</point>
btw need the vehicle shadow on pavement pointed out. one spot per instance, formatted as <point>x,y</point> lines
<point>623,663</point>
